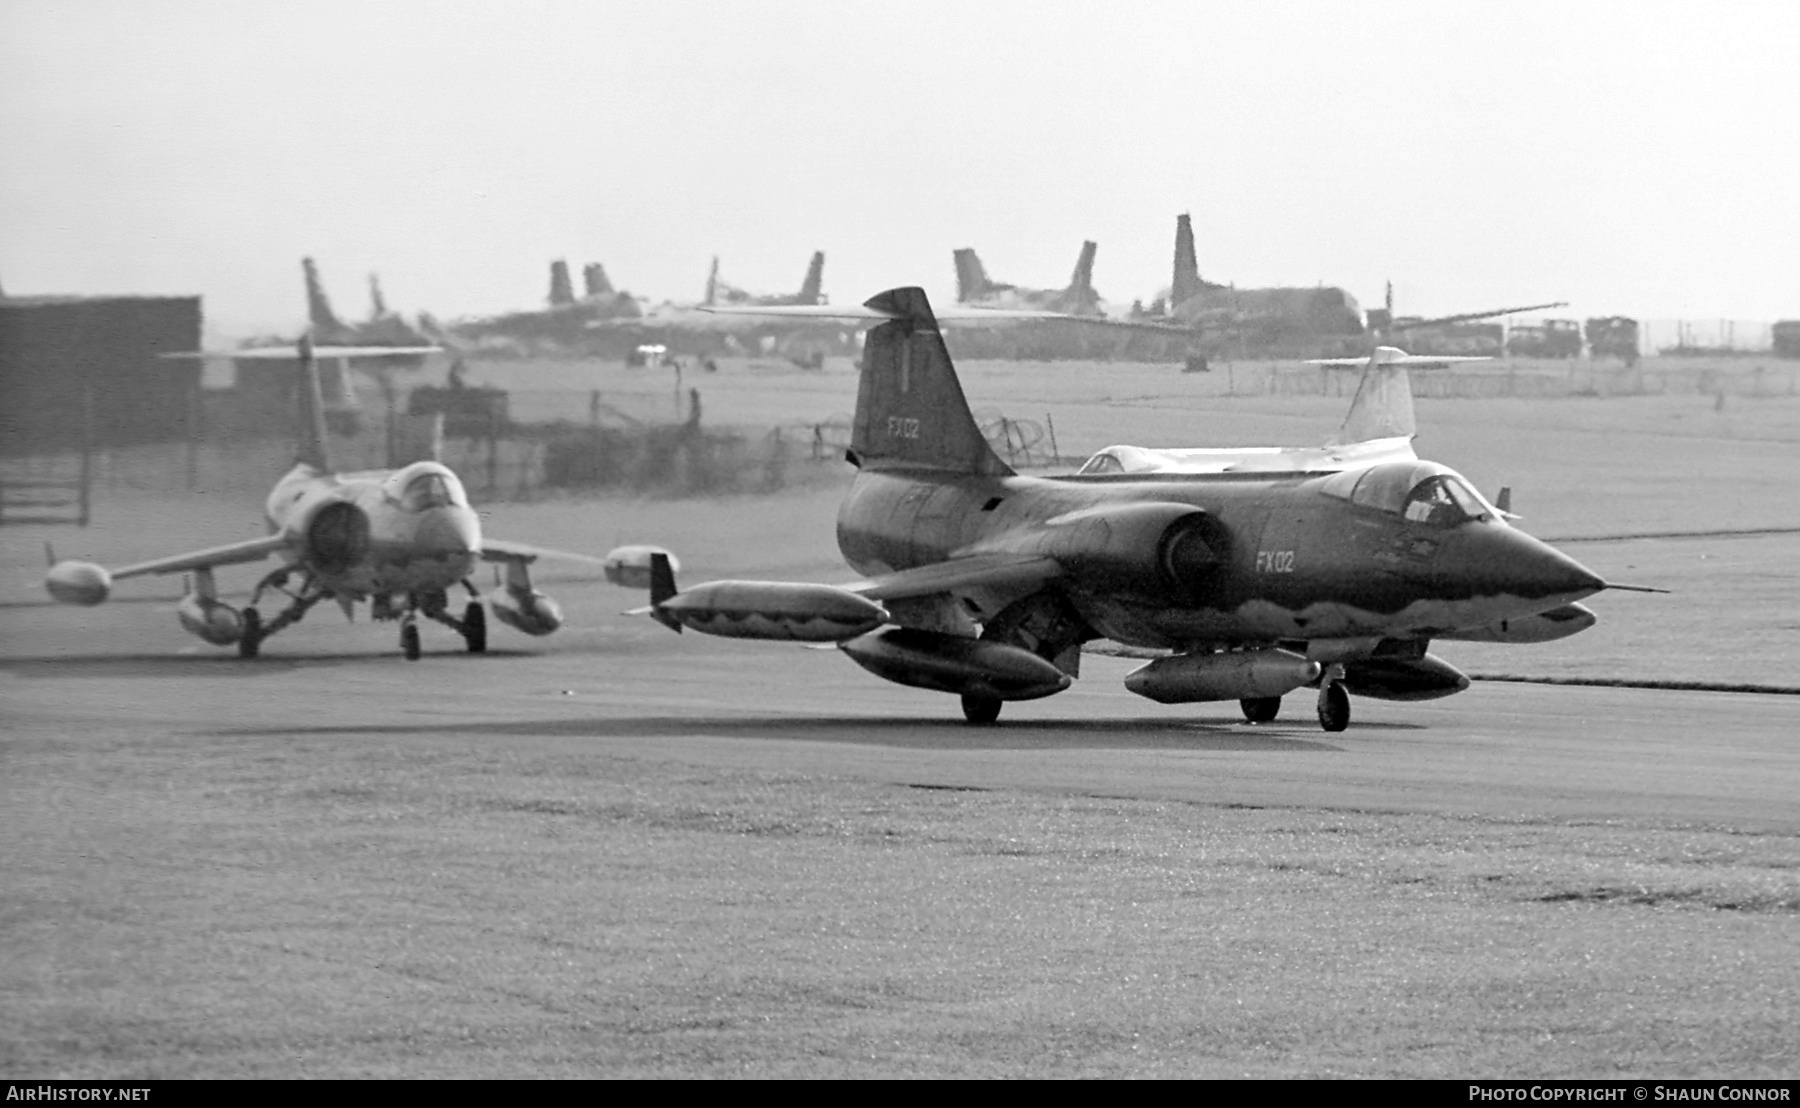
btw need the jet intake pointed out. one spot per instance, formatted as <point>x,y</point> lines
<point>1427,677</point>
<point>216,622</point>
<point>954,664</point>
<point>1150,545</point>
<point>529,611</point>
<point>773,610</point>
<point>337,536</point>
<point>1241,675</point>
<point>81,583</point>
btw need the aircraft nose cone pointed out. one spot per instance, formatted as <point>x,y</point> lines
<point>451,531</point>
<point>1504,562</point>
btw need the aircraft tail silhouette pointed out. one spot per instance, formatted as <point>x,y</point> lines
<point>593,278</point>
<point>815,280</point>
<point>971,276</point>
<point>325,322</point>
<point>312,446</point>
<point>1186,282</point>
<point>1383,407</point>
<point>712,283</point>
<point>910,408</point>
<point>562,291</point>
<point>1081,282</point>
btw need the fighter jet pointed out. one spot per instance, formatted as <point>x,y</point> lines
<point>1380,427</point>
<point>975,288</point>
<point>400,539</point>
<point>984,583</point>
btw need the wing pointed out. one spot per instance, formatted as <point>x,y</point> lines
<point>626,566</point>
<point>499,550</point>
<point>977,571</point>
<point>252,550</point>
<point>88,584</point>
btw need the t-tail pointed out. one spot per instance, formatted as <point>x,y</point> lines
<point>813,286</point>
<point>910,408</point>
<point>971,276</point>
<point>312,447</point>
<point>1383,406</point>
<point>1186,282</point>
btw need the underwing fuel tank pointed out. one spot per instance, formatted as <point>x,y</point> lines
<point>774,610</point>
<point>1240,675</point>
<point>531,612</point>
<point>1424,678</point>
<point>216,622</point>
<point>1557,623</point>
<point>81,583</point>
<point>954,664</point>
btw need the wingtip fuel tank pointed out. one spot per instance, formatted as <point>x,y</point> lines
<point>773,610</point>
<point>82,583</point>
<point>629,567</point>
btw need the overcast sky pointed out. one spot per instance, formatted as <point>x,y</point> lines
<point>1633,157</point>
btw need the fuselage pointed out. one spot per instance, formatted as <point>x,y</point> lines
<point>1404,550</point>
<point>379,532</point>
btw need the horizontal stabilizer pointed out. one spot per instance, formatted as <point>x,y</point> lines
<point>291,352</point>
<point>1390,355</point>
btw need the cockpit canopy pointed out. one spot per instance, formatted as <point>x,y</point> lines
<point>1420,492</point>
<point>425,485</point>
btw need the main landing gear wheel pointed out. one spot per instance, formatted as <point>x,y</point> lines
<point>1334,706</point>
<point>1260,709</point>
<point>474,627</point>
<point>250,641</point>
<point>409,641</point>
<point>980,709</point>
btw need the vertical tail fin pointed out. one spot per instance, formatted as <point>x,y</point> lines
<point>815,280</point>
<point>593,277</point>
<point>910,408</point>
<point>1186,283</point>
<point>662,590</point>
<point>561,290</point>
<point>312,447</point>
<point>1081,282</point>
<point>1383,406</point>
<point>378,308</point>
<point>325,322</point>
<point>971,277</point>
<point>712,283</point>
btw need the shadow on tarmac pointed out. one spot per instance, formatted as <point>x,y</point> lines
<point>1031,734</point>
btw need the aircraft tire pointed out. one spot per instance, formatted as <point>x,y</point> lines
<point>1260,709</point>
<point>1334,706</point>
<point>474,623</point>
<point>409,641</point>
<point>250,641</point>
<point>980,710</point>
